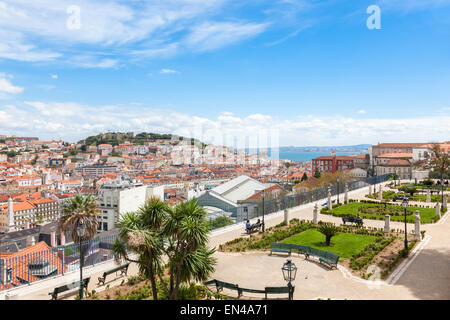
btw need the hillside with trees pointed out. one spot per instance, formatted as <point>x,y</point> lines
<point>116,138</point>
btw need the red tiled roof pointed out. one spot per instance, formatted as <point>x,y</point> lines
<point>398,145</point>
<point>396,155</point>
<point>19,262</point>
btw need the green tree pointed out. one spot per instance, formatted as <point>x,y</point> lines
<point>329,230</point>
<point>187,234</point>
<point>317,174</point>
<point>411,190</point>
<point>80,209</point>
<point>40,219</point>
<point>180,233</point>
<point>439,162</point>
<point>219,222</point>
<point>142,233</point>
<point>304,177</point>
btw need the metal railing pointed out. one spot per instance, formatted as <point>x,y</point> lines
<point>26,268</point>
<point>294,200</point>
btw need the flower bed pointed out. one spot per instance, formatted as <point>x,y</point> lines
<point>368,209</point>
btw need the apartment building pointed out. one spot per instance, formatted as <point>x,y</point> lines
<point>332,163</point>
<point>95,170</point>
<point>119,197</point>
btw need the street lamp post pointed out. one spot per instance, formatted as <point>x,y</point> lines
<point>405,205</point>
<point>81,230</point>
<point>338,180</point>
<point>263,224</point>
<point>289,272</point>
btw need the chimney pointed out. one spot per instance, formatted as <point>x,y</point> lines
<point>30,241</point>
<point>333,154</point>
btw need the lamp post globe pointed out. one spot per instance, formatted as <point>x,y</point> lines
<point>289,273</point>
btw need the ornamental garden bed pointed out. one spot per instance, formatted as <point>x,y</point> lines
<point>376,211</point>
<point>389,195</point>
<point>379,259</point>
<point>343,244</point>
<point>421,186</point>
<point>358,247</point>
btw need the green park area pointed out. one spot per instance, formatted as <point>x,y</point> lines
<point>343,244</point>
<point>377,211</point>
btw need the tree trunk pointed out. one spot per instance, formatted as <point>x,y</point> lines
<point>152,276</point>
<point>177,282</point>
<point>328,240</point>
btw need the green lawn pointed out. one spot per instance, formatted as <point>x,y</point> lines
<point>345,244</point>
<point>426,214</point>
<point>421,197</point>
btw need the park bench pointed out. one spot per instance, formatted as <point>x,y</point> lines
<point>277,290</point>
<point>328,257</point>
<point>68,287</point>
<point>123,271</point>
<point>222,284</point>
<point>356,220</point>
<point>280,247</point>
<point>254,227</point>
<point>267,290</point>
<point>302,249</point>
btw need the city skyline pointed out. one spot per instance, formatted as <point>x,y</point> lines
<point>310,70</point>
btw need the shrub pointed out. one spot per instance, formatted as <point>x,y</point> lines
<point>329,230</point>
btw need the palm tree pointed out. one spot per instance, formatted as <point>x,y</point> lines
<point>187,231</point>
<point>329,230</point>
<point>180,234</point>
<point>80,210</point>
<point>141,233</point>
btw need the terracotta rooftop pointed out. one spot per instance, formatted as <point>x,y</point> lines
<point>395,155</point>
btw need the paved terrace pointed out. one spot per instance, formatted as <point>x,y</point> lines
<point>424,275</point>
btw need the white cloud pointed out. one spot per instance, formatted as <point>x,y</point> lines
<point>362,111</point>
<point>14,46</point>
<point>7,87</point>
<point>38,30</point>
<point>168,71</point>
<point>54,76</point>
<point>90,62</point>
<point>213,35</point>
<point>74,121</point>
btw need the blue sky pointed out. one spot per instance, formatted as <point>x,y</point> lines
<point>310,70</point>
